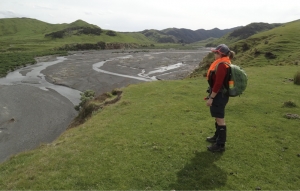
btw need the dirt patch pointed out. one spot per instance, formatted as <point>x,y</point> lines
<point>292,116</point>
<point>46,58</point>
<point>94,105</point>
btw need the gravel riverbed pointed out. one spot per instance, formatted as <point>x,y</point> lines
<point>31,115</point>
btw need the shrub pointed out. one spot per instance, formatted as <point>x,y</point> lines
<point>289,104</point>
<point>270,55</point>
<point>111,33</point>
<point>85,97</point>
<point>297,78</point>
<point>245,47</point>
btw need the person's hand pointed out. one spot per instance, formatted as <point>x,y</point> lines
<point>209,102</point>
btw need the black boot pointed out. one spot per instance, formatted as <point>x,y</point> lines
<point>213,139</point>
<point>219,146</point>
<point>216,148</point>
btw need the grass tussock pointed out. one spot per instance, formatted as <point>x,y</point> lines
<point>154,138</point>
<point>297,78</point>
<point>289,104</point>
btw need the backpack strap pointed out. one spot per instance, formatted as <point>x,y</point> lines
<point>226,63</point>
<point>225,88</point>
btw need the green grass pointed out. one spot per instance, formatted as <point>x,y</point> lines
<point>280,41</point>
<point>154,139</point>
<point>203,43</point>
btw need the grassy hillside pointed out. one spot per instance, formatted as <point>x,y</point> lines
<point>154,138</point>
<point>25,26</point>
<point>277,46</point>
<point>25,31</point>
<point>159,36</point>
<point>203,43</point>
<point>242,33</point>
<point>175,35</point>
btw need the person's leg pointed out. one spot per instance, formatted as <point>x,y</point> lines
<point>220,121</point>
<point>213,138</point>
<point>218,111</point>
<point>221,132</point>
<point>219,146</point>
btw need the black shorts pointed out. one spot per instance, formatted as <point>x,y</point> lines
<point>217,109</point>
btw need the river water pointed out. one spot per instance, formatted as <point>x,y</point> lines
<point>31,75</point>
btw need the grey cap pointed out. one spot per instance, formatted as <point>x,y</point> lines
<point>222,48</point>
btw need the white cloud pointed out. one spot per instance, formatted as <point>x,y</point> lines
<point>9,14</point>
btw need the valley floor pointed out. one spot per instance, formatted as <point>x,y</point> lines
<point>31,116</point>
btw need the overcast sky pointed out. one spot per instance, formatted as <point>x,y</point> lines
<point>137,15</point>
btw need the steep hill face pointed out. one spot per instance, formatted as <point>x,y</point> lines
<point>158,36</point>
<point>190,36</point>
<point>174,35</point>
<point>251,29</point>
<point>277,46</point>
<point>243,33</point>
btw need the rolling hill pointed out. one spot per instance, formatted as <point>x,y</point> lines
<point>175,35</point>
<point>277,46</point>
<point>242,33</point>
<point>14,29</point>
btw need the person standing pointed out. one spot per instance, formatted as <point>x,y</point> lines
<point>218,96</point>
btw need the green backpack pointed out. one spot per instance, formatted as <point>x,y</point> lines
<point>236,80</point>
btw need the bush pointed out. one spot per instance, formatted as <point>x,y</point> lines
<point>289,104</point>
<point>111,33</point>
<point>297,78</point>
<point>85,97</point>
<point>270,55</point>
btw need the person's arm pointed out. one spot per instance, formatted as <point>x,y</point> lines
<point>220,76</point>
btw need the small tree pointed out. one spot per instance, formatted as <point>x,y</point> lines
<point>85,97</point>
<point>111,33</point>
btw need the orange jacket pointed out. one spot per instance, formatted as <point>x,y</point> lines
<point>216,78</point>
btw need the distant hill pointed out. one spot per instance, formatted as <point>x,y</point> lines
<point>28,26</point>
<point>175,35</point>
<point>277,46</point>
<point>242,33</point>
<point>27,30</point>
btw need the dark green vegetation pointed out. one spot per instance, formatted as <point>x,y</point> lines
<point>297,78</point>
<point>174,35</point>
<point>85,97</point>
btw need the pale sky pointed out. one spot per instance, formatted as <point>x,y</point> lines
<point>137,15</point>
